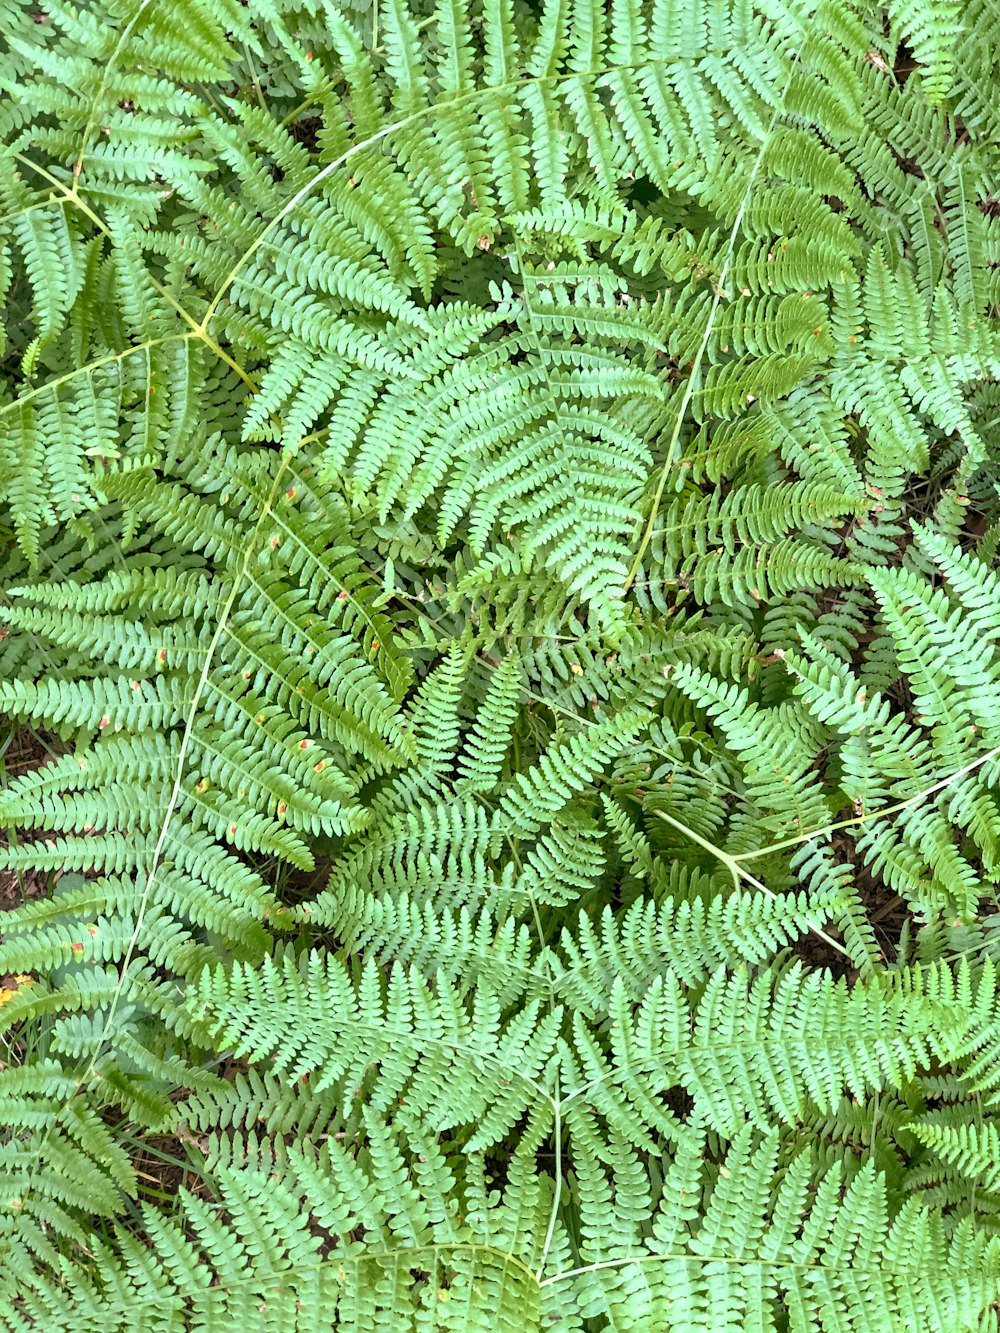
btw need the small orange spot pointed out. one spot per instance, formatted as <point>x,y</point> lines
<point>136,686</point>
<point>92,930</point>
<point>232,830</point>
<point>161,656</point>
<point>342,595</point>
<point>77,948</point>
<point>105,722</point>
<point>290,493</point>
<point>374,645</point>
<point>320,766</point>
<point>282,807</point>
<point>203,785</point>
<point>260,720</point>
<point>274,541</point>
<point>304,745</point>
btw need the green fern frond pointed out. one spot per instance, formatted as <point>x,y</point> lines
<point>498,655</point>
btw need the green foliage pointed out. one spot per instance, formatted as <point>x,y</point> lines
<point>499,514</point>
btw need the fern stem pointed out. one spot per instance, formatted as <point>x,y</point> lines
<point>872,814</point>
<point>91,366</point>
<point>432,109</point>
<point>737,871</point>
<point>717,296</point>
<point>557,1192</point>
<point>198,328</point>
<point>108,68</point>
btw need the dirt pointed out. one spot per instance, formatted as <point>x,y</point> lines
<point>27,751</point>
<point>886,911</point>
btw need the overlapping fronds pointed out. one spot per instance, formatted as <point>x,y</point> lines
<point>499,514</point>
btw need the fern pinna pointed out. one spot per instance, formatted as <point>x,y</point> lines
<point>500,523</point>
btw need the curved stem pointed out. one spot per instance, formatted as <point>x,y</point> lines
<point>872,814</point>
<point>738,873</point>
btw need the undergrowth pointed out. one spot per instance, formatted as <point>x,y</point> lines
<point>499,524</point>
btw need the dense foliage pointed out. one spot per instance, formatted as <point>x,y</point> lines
<point>500,508</point>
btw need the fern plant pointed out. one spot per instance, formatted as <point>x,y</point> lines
<point>499,515</point>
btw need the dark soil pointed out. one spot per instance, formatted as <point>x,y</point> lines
<point>27,751</point>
